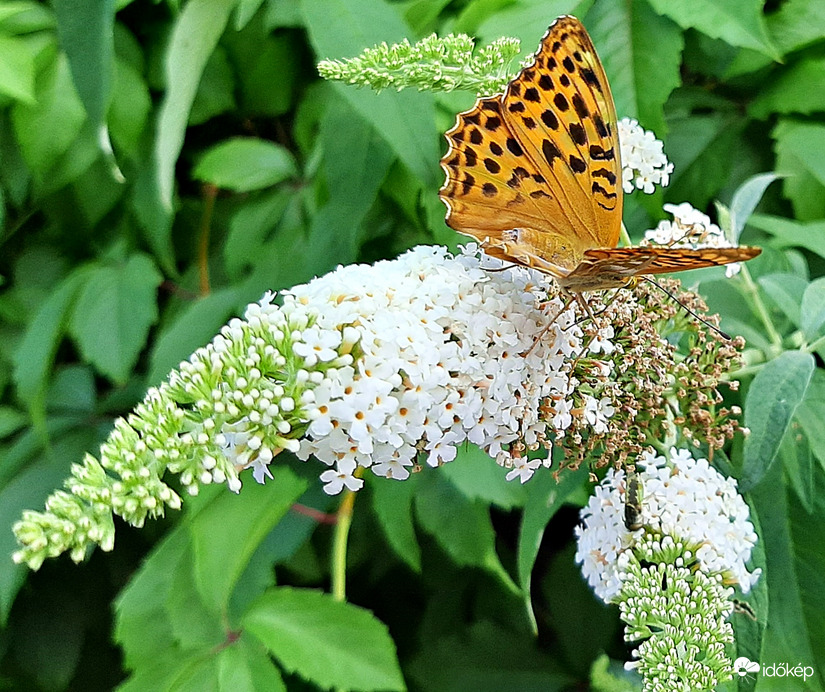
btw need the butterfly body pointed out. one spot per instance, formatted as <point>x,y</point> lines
<point>535,174</point>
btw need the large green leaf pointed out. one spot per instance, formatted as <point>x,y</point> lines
<point>193,328</point>
<point>115,308</point>
<point>392,502</point>
<point>800,89</point>
<point>800,148</point>
<point>789,233</point>
<point>86,34</point>
<point>771,401</point>
<point>737,22</point>
<point>642,52</point>
<point>58,112</point>
<point>196,33</point>
<point>330,643</point>
<point>16,69</point>
<point>243,164</point>
<point>229,529</point>
<point>461,527</point>
<point>406,120</point>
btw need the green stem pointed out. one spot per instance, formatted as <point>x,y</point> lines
<point>752,291</point>
<point>339,545</point>
<point>624,236</point>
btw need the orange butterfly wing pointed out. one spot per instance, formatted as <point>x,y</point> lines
<point>535,174</point>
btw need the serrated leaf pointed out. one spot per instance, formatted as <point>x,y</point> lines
<point>243,164</point>
<point>245,668</point>
<point>114,311</point>
<point>737,22</point>
<point>796,23</point>
<point>772,399</point>
<point>196,33</point>
<point>226,533</point>
<point>330,643</point>
<point>798,89</point>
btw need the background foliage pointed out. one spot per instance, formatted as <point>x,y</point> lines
<point>163,164</point>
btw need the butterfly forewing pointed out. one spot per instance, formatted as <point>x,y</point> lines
<point>524,160</point>
<point>535,174</point>
<point>566,123</point>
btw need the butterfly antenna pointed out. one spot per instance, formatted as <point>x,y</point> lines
<point>686,308</point>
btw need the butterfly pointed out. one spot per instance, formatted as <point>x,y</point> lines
<point>535,174</point>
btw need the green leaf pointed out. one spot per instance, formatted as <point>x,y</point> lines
<point>129,109</point>
<point>226,532</point>
<point>812,310</point>
<point>545,498</point>
<point>744,201</point>
<point>249,229</point>
<point>800,149</point>
<point>142,625</point>
<point>16,69</point>
<point>642,52</point>
<point>58,111</point>
<point>243,164</point>
<point>329,643</point>
<point>789,535</point>
<point>487,657</point>
<point>193,328</point>
<point>29,489</point>
<point>737,22</point>
<point>356,161</point>
<point>771,401</point>
<point>798,89</point>
<point>392,502</point>
<point>476,476</point>
<point>11,420</point>
<point>86,34</point>
<point>34,355</point>
<point>785,290</point>
<point>700,147</point>
<point>196,33</point>
<point>341,29</point>
<point>526,20</point>
<point>788,233</point>
<point>245,668</point>
<point>113,314</point>
<point>461,527</point>
<point>796,24</point>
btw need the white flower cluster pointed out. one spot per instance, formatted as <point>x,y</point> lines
<point>690,228</point>
<point>684,498</point>
<point>442,347</point>
<point>644,163</point>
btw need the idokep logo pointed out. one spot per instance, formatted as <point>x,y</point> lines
<point>742,666</point>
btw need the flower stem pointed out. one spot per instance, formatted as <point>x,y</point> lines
<point>339,546</point>
<point>753,292</point>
